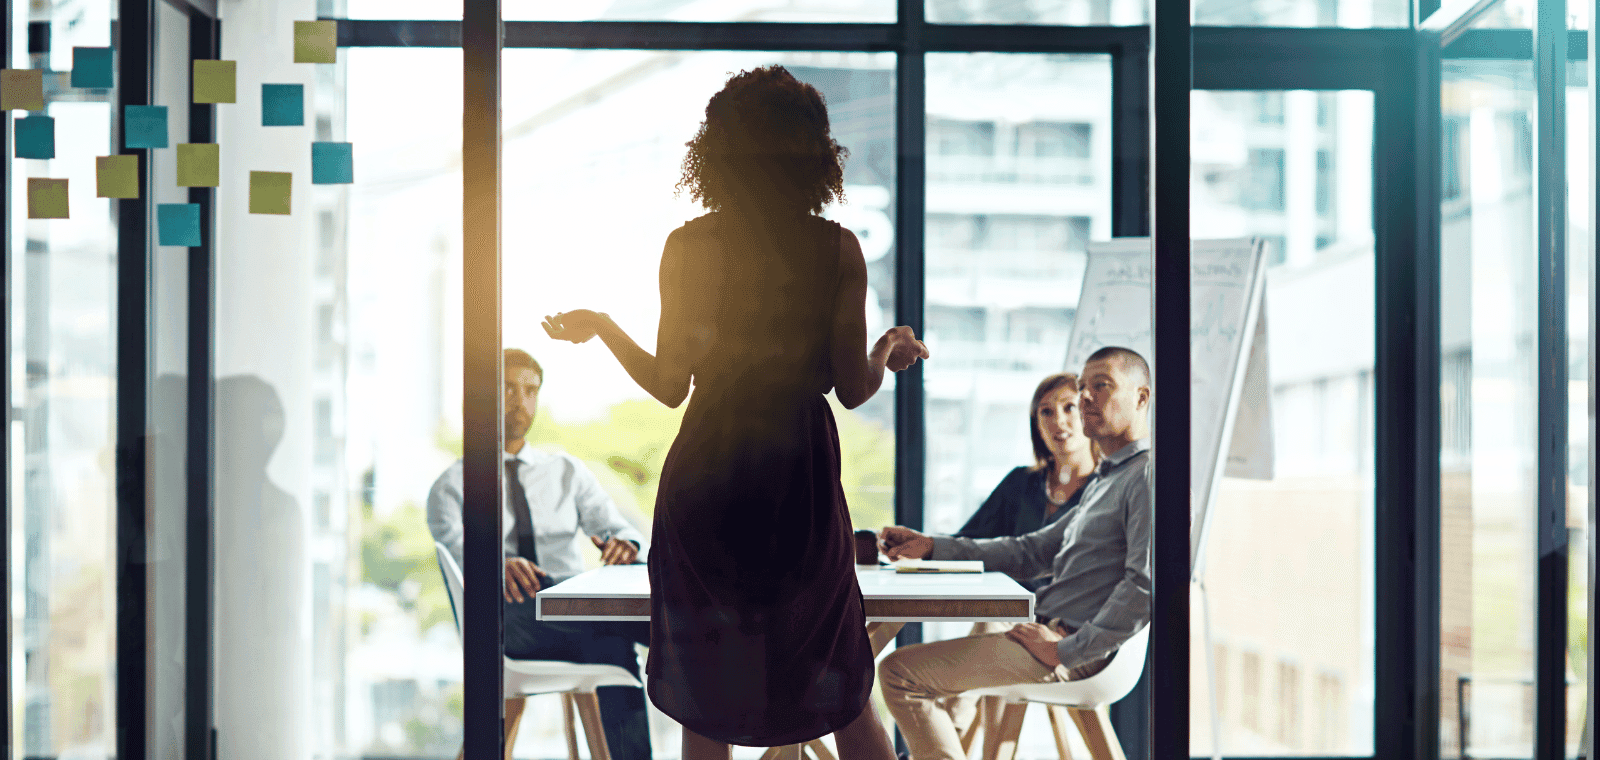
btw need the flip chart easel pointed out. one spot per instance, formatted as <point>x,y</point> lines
<point>1230,393</point>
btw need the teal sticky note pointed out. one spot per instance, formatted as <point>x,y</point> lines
<point>91,67</point>
<point>283,105</point>
<point>330,163</point>
<point>144,127</point>
<point>178,224</point>
<point>36,137</point>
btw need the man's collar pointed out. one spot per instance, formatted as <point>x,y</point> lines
<point>1115,459</point>
<point>506,456</point>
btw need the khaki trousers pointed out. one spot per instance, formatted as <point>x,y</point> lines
<point>917,680</point>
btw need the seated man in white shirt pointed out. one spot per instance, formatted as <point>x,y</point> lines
<point>552,503</point>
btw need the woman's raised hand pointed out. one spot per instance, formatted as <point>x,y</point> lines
<point>576,326</point>
<point>904,348</point>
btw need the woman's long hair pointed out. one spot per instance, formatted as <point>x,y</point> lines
<point>764,147</point>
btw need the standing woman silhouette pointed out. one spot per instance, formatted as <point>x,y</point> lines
<point>757,634</point>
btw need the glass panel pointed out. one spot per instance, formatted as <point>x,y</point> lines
<point>1489,410</point>
<point>1349,14</point>
<point>1074,12</point>
<point>1294,674</point>
<point>832,11</point>
<point>1580,273</point>
<point>62,316</point>
<point>395,638</point>
<point>1018,183</point>
<point>168,363</point>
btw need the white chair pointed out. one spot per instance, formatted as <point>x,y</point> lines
<point>1085,700</point>
<point>575,682</point>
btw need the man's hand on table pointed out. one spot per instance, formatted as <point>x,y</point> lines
<point>522,579</point>
<point>616,551</point>
<point>904,543</point>
<point>1040,641</point>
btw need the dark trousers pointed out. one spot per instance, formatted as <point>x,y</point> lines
<point>622,708</point>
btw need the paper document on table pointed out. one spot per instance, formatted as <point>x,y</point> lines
<point>938,566</point>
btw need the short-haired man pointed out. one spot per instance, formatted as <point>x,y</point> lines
<point>1097,557</point>
<point>552,502</point>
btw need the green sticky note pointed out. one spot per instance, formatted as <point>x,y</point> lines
<point>215,81</point>
<point>315,41</point>
<point>91,67</point>
<point>116,177</point>
<point>197,164</point>
<point>35,137</point>
<point>269,192</point>
<point>178,224</point>
<point>22,89</point>
<point>47,198</point>
<point>331,163</point>
<point>144,126</point>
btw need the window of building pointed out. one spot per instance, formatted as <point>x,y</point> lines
<point>1264,188</point>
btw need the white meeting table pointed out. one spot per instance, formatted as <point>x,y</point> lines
<point>891,599</point>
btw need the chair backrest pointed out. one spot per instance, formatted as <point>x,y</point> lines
<point>452,580</point>
<point>1122,673</point>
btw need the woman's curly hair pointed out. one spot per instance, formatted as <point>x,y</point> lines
<point>764,145</point>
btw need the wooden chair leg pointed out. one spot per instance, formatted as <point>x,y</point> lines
<point>969,734</point>
<point>513,721</point>
<point>818,750</point>
<point>589,712</point>
<point>1095,725</point>
<point>569,724</point>
<point>1001,744</point>
<point>1058,726</point>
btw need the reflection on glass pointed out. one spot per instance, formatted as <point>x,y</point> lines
<point>1349,14</point>
<point>1294,671</point>
<point>1580,257</point>
<point>593,145</point>
<point>1073,12</point>
<point>62,317</point>
<point>831,11</point>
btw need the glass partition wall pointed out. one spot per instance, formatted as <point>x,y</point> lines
<point>990,142</point>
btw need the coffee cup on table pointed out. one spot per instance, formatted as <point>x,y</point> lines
<point>866,547</point>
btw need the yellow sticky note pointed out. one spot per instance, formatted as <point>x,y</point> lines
<point>215,81</point>
<point>116,176</point>
<point>197,164</point>
<point>315,41</point>
<point>269,192</point>
<point>47,198</point>
<point>22,89</point>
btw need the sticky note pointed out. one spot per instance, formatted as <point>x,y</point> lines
<point>178,224</point>
<point>91,67</point>
<point>283,105</point>
<point>36,137</point>
<point>47,198</point>
<point>144,127</point>
<point>198,164</point>
<point>330,163</point>
<point>22,89</point>
<point>269,192</point>
<point>215,81</point>
<point>315,41</point>
<point>116,176</point>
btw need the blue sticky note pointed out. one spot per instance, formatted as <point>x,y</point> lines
<point>91,67</point>
<point>283,105</point>
<point>144,127</point>
<point>330,163</point>
<point>36,137</point>
<point>178,224</point>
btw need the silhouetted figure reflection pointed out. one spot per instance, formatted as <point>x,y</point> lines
<point>757,629</point>
<point>262,632</point>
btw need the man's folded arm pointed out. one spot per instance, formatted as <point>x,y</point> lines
<point>597,513</point>
<point>1026,556</point>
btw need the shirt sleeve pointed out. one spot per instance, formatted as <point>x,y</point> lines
<point>1128,608</point>
<point>1024,556</point>
<point>991,519</point>
<point>597,513</point>
<point>444,515</point>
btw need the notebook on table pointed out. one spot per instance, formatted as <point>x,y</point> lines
<point>938,566</point>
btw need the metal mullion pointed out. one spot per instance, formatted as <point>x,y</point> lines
<point>1550,631</point>
<point>1510,44</point>
<point>1130,146</point>
<point>1406,199</point>
<point>1033,38</point>
<point>205,41</point>
<point>483,643</point>
<point>135,38</point>
<point>5,397</point>
<point>1172,84</point>
<point>910,199</point>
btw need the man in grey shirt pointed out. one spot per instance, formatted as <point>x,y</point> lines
<point>1097,557</point>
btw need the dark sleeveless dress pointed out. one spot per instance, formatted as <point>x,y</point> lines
<point>757,633</point>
